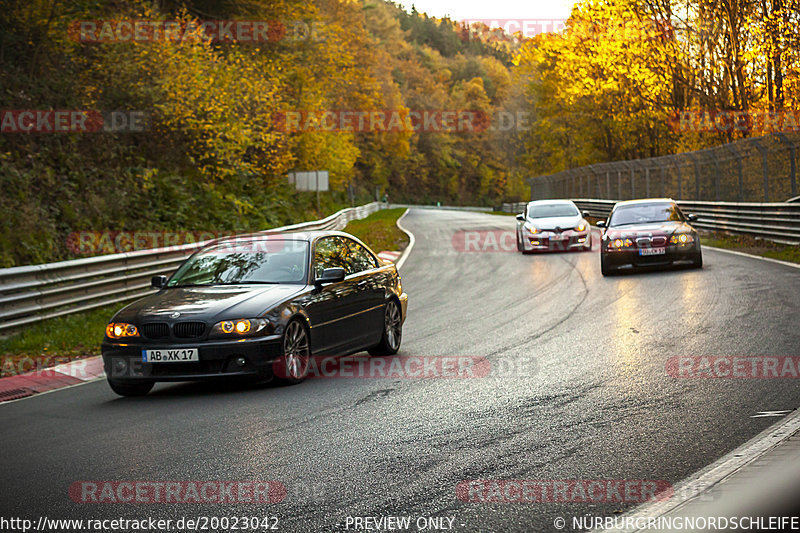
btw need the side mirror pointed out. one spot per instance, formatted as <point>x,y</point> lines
<point>520,217</point>
<point>330,275</point>
<point>586,214</point>
<point>158,282</point>
<point>601,224</point>
<point>692,217</point>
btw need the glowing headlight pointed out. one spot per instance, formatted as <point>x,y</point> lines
<point>533,229</point>
<point>240,326</point>
<point>581,227</point>
<point>118,330</point>
<point>681,238</point>
<point>620,243</point>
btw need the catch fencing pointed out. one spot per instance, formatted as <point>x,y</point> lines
<point>758,169</point>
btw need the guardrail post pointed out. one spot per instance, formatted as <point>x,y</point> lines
<point>792,163</point>
<point>765,166</point>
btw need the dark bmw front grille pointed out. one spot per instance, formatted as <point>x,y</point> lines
<point>189,330</point>
<point>156,330</point>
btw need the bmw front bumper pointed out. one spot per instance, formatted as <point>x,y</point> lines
<point>674,253</point>
<point>217,359</point>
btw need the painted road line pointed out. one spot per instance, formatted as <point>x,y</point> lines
<point>705,479</point>
<point>411,241</point>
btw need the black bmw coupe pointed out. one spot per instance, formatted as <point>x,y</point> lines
<point>648,233</point>
<point>257,306</point>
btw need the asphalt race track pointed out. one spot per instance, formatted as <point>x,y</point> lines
<point>591,398</point>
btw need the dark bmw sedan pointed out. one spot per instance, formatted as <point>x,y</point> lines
<point>648,233</point>
<point>257,306</point>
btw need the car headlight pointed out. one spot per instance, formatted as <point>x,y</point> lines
<point>240,327</point>
<point>119,330</point>
<point>682,238</point>
<point>533,229</point>
<point>617,244</point>
<point>580,227</point>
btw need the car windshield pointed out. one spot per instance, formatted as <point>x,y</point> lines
<point>267,261</point>
<point>552,210</point>
<point>645,213</point>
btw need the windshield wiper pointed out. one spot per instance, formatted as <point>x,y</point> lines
<point>252,282</point>
<point>641,222</point>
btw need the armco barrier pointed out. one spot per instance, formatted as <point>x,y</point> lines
<point>36,292</point>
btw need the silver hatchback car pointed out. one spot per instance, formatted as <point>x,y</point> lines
<point>553,225</point>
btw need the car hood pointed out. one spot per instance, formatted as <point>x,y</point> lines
<point>555,222</point>
<point>207,303</point>
<point>648,229</point>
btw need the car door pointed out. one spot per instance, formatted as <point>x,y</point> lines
<point>371,290</point>
<point>332,309</point>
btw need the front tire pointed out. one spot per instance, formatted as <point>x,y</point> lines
<point>392,331</point>
<point>519,243</point>
<point>128,389</point>
<point>697,262</point>
<point>293,365</point>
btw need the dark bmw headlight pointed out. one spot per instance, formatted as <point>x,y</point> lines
<point>619,244</point>
<point>682,238</point>
<point>240,327</point>
<point>119,330</point>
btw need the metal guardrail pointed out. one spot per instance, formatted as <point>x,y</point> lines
<point>779,222</point>
<point>446,207</point>
<point>37,292</point>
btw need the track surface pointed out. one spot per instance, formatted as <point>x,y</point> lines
<point>599,406</point>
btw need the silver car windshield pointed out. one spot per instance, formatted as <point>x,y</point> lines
<point>551,210</point>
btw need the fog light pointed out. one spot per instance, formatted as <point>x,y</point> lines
<point>535,242</point>
<point>241,361</point>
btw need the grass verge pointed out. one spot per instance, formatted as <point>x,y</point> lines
<point>751,245</point>
<point>379,231</point>
<point>55,341</point>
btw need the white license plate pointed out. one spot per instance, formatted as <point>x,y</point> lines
<point>557,237</point>
<point>170,356</point>
<point>652,251</point>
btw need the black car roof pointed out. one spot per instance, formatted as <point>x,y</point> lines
<point>306,236</point>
